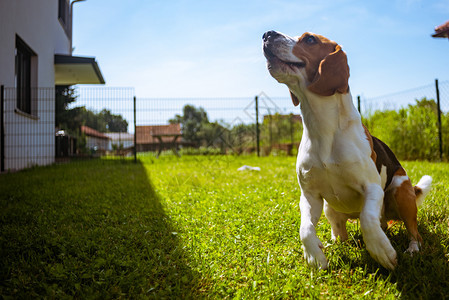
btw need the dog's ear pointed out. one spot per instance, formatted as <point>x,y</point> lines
<point>294,99</point>
<point>332,75</point>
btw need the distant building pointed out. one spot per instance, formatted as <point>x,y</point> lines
<point>149,137</point>
<point>120,140</point>
<point>36,56</point>
<point>442,31</point>
<point>96,142</point>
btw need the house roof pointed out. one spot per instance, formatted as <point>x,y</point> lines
<point>93,133</point>
<point>71,70</point>
<point>442,30</point>
<point>145,134</point>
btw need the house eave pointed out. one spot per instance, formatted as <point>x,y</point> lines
<point>70,70</point>
<point>442,31</point>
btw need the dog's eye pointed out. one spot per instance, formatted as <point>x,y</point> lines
<point>310,40</point>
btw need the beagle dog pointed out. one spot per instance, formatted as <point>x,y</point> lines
<point>340,165</point>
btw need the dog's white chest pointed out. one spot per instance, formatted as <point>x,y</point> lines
<point>339,185</point>
<point>339,173</point>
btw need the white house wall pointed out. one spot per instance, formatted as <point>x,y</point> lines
<point>37,24</point>
<point>29,141</point>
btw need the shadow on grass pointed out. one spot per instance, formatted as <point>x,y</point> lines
<point>90,229</point>
<point>424,275</point>
<point>421,276</point>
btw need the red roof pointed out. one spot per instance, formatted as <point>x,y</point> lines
<point>442,30</point>
<point>145,134</point>
<point>92,132</point>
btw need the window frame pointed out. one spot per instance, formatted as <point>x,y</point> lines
<point>64,16</point>
<point>24,78</point>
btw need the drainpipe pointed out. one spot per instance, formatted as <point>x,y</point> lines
<point>2,128</point>
<point>71,24</point>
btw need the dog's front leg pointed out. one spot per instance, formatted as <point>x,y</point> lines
<point>311,208</point>
<point>375,239</point>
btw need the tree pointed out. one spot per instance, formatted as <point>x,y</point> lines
<point>197,128</point>
<point>64,95</point>
<point>192,121</point>
<point>281,129</point>
<point>113,123</point>
<point>72,119</point>
<point>427,103</point>
<point>213,134</point>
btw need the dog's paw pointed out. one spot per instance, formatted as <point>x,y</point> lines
<point>382,251</point>
<point>315,256</point>
<point>413,247</point>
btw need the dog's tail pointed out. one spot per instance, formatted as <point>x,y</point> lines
<point>422,189</point>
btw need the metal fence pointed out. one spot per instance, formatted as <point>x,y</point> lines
<point>230,125</point>
<point>58,125</point>
<point>83,122</point>
<point>64,124</point>
<point>398,100</point>
<point>412,133</point>
<point>27,133</point>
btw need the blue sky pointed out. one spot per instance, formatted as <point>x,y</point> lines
<point>186,48</point>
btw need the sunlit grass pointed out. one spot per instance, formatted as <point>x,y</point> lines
<point>195,227</point>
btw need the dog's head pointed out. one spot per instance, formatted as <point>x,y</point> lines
<point>310,62</point>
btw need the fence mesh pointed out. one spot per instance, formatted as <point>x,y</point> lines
<point>395,101</point>
<point>227,125</point>
<point>28,133</point>
<point>46,125</point>
<point>59,124</point>
<point>411,122</point>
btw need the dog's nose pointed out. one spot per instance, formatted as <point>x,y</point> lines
<point>269,35</point>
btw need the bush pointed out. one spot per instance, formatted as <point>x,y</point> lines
<point>411,132</point>
<point>280,129</point>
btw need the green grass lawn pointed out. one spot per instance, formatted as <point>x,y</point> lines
<point>195,227</point>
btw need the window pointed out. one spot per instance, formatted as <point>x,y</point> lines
<point>64,16</point>
<point>25,60</point>
<point>63,12</point>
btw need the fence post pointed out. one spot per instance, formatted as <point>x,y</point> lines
<point>440,137</point>
<point>2,125</point>
<point>257,126</point>
<point>358,105</point>
<point>135,132</point>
